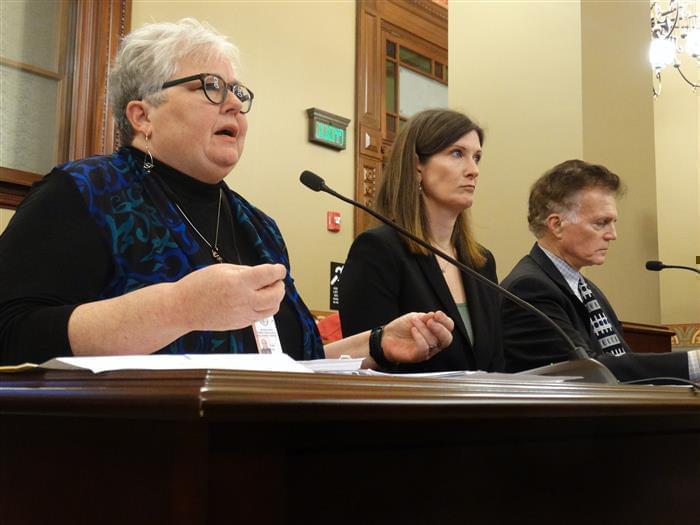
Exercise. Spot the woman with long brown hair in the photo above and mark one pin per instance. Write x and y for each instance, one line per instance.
(427, 188)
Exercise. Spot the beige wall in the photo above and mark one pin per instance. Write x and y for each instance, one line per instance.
(526, 92)
(295, 55)
(570, 79)
(676, 120)
(618, 123)
(5, 216)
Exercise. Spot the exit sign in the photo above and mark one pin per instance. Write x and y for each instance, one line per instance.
(328, 133)
(327, 129)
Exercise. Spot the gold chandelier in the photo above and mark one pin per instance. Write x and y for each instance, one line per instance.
(674, 30)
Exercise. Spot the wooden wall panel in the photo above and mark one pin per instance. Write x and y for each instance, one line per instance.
(368, 73)
(100, 26)
(417, 21)
(366, 187)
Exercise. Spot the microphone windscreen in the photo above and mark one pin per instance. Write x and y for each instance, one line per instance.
(312, 181)
(654, 266)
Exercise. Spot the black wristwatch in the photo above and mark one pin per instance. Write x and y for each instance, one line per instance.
(375, 348)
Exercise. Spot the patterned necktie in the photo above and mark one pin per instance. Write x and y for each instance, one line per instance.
(605, 333)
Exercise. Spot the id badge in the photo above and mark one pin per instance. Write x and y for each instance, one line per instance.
(266, 336)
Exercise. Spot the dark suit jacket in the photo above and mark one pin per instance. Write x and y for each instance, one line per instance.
(529, 342)
(382, 280)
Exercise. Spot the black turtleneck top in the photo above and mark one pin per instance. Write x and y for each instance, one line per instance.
(53, 257)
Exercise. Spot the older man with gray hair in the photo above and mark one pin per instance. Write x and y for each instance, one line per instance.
(572, 213)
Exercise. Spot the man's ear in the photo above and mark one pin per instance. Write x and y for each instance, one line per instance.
(137, 111)
(555, 224)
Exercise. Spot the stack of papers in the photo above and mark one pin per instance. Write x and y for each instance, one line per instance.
(334, 366)
(260, 363)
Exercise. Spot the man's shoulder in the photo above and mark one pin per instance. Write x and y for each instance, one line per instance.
(525, 269)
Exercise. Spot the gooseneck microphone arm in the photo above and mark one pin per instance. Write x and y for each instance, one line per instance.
(316, 183)
(657, 266)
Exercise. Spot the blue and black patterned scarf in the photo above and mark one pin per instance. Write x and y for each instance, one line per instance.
(151, 244)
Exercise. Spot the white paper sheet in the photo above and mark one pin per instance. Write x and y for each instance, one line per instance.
(477, 375)
(256, 362)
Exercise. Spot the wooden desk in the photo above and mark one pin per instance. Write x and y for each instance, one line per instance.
(647, 338)
(255, 448)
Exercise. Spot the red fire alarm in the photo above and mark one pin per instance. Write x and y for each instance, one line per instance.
(333, 221)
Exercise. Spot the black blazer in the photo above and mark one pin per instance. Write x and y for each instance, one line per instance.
(529, 342)
(382, 280)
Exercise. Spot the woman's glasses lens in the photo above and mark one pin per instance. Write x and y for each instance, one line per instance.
(215, 89)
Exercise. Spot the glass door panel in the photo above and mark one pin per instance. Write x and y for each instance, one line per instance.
(419, 92)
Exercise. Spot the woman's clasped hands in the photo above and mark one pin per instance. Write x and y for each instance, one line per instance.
(415, 337)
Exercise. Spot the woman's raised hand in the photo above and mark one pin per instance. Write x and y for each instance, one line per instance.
(228, 297)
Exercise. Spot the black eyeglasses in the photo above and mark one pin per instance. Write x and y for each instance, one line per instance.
(215, 87)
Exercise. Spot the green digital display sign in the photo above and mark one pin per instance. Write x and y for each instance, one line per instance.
(329, 133)
(327, 129)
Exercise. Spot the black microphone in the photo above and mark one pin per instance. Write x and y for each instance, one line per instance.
(657, 266)
(316, 183)
(581, 364)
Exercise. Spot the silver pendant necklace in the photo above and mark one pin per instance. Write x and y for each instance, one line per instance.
(215, 248)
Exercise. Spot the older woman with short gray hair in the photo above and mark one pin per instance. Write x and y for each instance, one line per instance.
(148, 250)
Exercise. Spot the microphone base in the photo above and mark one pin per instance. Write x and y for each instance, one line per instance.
(586, 369)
